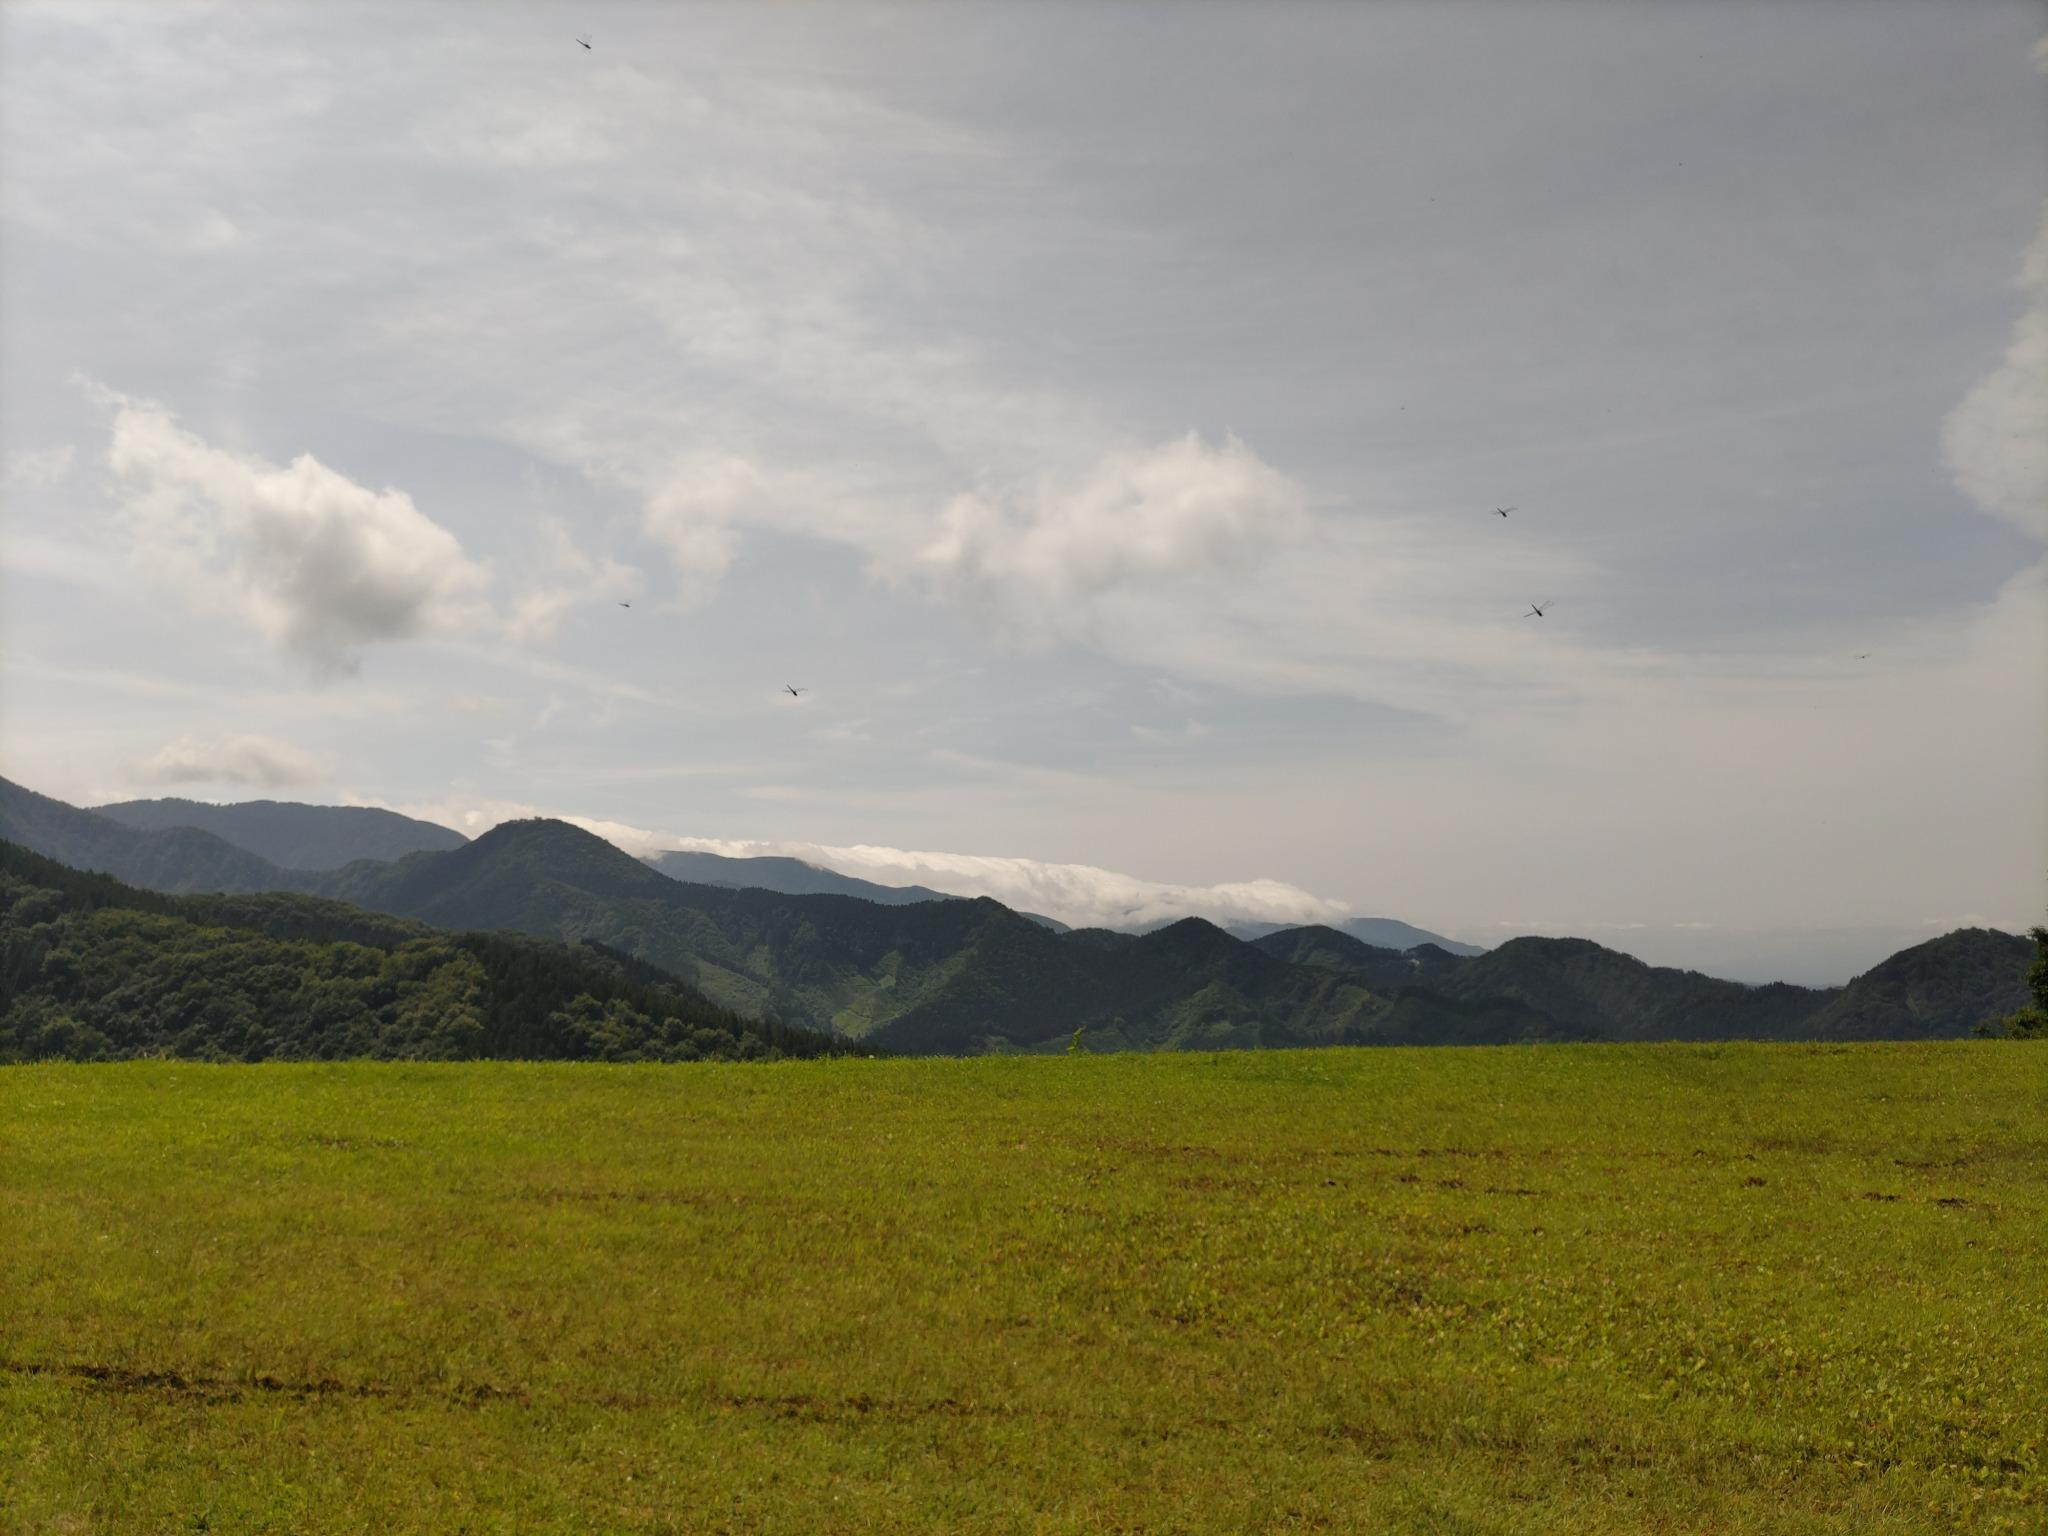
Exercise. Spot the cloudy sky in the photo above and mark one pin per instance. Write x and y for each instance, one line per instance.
(1100, 410)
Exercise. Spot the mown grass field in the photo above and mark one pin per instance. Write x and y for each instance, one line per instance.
(1664, 1288)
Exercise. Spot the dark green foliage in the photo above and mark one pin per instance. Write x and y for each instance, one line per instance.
(92, 969)
(1422, 1017)
(1934, 991)
(2030, 1022)
(293, 836)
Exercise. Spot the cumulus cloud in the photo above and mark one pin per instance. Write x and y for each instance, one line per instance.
(1996, 440)
(1181, 509)
(253, 760)
(321, 565)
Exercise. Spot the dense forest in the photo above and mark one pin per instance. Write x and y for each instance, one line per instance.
(93, 969)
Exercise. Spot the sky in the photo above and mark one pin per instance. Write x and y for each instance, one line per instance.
(1098, 411)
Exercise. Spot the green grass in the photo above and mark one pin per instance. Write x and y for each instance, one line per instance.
(1662, 1288)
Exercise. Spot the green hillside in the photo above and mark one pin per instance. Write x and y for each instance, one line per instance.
(92, 969)
(1938, 990)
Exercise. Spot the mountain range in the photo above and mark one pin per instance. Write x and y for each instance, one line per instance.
(956, 975)
(1380, 932)
(290, 835)
(794, 877)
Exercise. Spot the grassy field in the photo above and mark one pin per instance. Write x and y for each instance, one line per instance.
(1663, 1288)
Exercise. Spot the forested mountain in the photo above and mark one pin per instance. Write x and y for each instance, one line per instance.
(1379, 932)
(175, 859)
(953, 975)
(290, 835)
(1386, 969)
(1184, 987)
(1945, 987)
(94, 969)
(1620, 998)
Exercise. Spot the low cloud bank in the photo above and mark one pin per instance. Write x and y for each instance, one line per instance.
(252, 760)
(1080, 894)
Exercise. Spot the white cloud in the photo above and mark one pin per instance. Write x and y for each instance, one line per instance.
(582, 580)
(254, 760)
(321, 565)
(213, 232)
(1141, 519)
(39, 466)
(1996, 440)
(1080, 894)
(694, 511)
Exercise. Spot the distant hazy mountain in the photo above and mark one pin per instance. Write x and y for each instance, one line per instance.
(1388, 969)
(794, 877)
(1380, 932)
(174, 859)
(291, 835)
(1620, 998)
(1939, 989)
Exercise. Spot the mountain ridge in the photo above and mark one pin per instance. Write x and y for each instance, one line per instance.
(94, 969)
(289, 833)
(969, 974)
(1380, 932)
